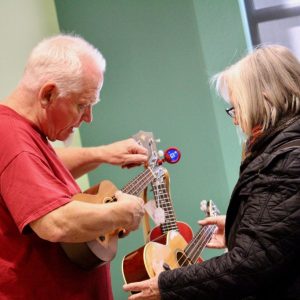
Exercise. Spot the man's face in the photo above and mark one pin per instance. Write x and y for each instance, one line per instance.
(66, 113)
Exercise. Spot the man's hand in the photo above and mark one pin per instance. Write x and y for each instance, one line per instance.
(81, 160)
(218, 239)
(127, 153)
(131, 211)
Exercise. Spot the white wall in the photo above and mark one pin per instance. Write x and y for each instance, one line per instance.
(22, 25)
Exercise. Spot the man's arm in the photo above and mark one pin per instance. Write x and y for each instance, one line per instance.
(79, 221)
(125, 153)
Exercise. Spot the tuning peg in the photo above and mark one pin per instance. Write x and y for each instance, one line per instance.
(160, 154)
(203, 205)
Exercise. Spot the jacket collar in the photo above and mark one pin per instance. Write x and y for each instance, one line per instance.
(286, 130)
(263, 152)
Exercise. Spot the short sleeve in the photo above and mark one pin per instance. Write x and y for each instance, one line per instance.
(30, 189)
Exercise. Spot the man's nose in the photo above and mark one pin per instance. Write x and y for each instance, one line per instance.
(88, 114)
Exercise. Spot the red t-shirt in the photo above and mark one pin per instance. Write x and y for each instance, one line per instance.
(33, 182)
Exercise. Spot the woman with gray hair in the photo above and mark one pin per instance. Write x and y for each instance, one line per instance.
(262, 227)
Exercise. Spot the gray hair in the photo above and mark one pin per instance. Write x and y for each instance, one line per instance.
(265, 85)
(59, 59)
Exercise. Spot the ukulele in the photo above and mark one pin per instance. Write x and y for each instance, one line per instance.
(170, 250)
(98, 252)
(161, 192)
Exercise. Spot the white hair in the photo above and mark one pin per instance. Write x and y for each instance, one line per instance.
(59, 59)
(265, 85)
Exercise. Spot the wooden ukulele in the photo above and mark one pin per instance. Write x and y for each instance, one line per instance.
(161, 191)
(169, 250)
(103, 249)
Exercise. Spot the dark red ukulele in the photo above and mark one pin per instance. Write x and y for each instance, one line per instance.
(133, 264)
(170, 251)
(161, 189)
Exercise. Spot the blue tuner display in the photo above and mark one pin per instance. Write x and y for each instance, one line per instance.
(172, 155)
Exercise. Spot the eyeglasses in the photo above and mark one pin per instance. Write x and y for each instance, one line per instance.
(230, 112)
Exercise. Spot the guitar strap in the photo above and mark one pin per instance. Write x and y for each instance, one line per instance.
(146, 221)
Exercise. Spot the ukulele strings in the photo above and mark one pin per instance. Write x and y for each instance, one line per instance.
(195, 247)
(163, 200)
(139, 183)
(198, 248)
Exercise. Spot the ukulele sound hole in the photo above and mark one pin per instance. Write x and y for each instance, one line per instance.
(182, 259)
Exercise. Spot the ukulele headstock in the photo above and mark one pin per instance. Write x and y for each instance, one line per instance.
(209, 208)
(147, 140)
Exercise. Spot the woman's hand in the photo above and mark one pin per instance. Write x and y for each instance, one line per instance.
(218, 239)
(148, 289)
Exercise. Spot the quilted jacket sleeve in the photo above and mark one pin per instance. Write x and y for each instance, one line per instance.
(264, 241)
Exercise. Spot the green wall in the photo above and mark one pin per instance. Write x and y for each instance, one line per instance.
(222, 40)
(160, 55)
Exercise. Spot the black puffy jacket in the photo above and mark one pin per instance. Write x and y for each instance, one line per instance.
(262, 232)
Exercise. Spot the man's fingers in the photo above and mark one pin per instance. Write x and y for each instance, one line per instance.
(118, 194)
(135, 159)
(141, 150)
(130, 166)
(136, 147)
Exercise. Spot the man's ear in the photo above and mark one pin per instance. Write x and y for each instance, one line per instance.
(47, 94)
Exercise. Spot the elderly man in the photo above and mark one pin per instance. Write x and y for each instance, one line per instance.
(61, 84)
